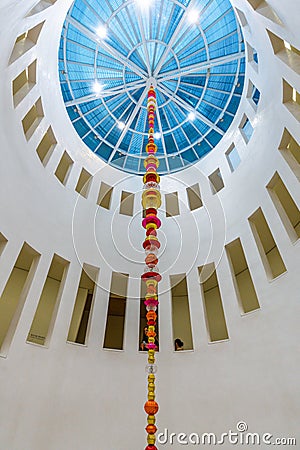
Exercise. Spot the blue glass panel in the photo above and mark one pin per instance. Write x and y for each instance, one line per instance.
(118, 159)
(66, 92)
(81, 127)
(136, 47)
(132, 164)
(162, 166)
(213, 138)
(126, 142)
(233, 105)
(73, 112)
(175, 162)
(104, 151)
(170, 144)
(202, 149)
(225, 122)
(91, 141)
(189, 157)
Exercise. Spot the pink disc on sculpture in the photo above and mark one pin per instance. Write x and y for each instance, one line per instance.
(151, 219)
(151, 302)
(151, 346)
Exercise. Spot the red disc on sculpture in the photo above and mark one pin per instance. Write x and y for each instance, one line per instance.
(151, 176)
(148, 275)
(151, 447)
(151, 211)
(151, 322)
(151, 232)
(151, 92)
(148, 243)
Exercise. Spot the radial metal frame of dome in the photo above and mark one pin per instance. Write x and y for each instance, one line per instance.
(191, 50)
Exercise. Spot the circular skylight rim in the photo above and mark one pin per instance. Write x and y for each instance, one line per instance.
(198, 93)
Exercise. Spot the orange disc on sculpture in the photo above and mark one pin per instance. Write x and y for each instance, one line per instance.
(151, 260)
(151, 334)
(151, 289)
(151, 407)
(151, 429)
(151, 315)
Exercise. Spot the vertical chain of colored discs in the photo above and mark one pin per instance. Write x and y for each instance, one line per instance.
(151, 201)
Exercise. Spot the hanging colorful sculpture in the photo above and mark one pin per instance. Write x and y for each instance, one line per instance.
(151, 201)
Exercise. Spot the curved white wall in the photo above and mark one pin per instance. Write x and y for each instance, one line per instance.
(68, 396)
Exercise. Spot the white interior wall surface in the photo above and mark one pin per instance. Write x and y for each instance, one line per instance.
(64, 396)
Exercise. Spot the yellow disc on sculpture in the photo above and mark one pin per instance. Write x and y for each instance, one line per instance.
(151, 159)
(150, 295)
(151, 419)
(151, 439)
(151, 225)
(152, 147)
(151, 198)
(151, 282)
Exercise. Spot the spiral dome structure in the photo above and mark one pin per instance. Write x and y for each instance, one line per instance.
(73, 109)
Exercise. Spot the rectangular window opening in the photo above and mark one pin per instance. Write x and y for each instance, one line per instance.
(253, 94)
(80, 322)
(23, 83)
(233, 158)
(241, 17)
(262, 7)
(143, 321)
(3, 242)
(25, 42)
(194, 197)
(172, 205)
(242, 279)
(246, 129)
(32, 119)
(252, 56)
(84, 183)
(291, 99)
(269, 253)
(213, 307)
(286, 207)
(290, 150)
(41, 6)
(46, 146)
(64, 168)
(127, 203)
(115, 320)
(14, 294)
(45, 315)
(181, 319)
(216, 181)
(104, 197)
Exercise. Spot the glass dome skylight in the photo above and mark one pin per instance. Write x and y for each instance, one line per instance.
(110, 52)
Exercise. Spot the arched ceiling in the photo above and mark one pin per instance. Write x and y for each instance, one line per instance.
(192, 51)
